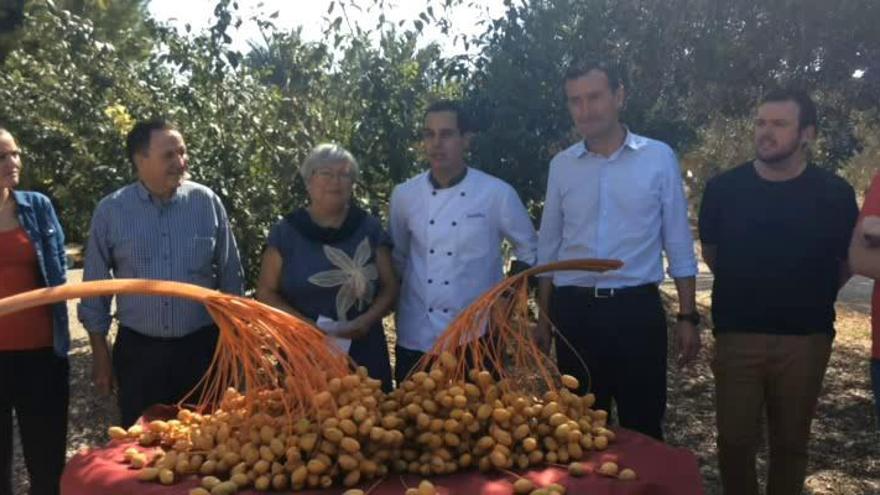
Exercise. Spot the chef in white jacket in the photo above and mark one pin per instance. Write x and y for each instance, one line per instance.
(447, 225)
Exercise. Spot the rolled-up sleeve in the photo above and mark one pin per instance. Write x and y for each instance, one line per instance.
(94, 312)
(550, 230)
(227, 258)
(517, 227)
(678, 243)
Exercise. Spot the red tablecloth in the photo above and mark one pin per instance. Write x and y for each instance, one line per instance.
(662, 470)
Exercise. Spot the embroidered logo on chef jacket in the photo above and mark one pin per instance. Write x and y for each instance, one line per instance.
(474, 236)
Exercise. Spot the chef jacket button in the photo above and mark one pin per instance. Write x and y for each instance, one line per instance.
(448, 253)
(430, 281)
(431, 251)
(433, 193)
(431, 222)
(446, 282)
(454, 224)
(445, 310)
(462, 193)
(430, 310)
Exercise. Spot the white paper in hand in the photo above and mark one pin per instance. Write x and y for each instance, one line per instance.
(332, 328)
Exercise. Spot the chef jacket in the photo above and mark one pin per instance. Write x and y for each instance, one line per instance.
(447, 248)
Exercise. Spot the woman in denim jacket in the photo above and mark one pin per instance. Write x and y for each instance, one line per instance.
(34, 372)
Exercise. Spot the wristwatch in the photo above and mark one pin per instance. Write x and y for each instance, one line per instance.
(692, 317)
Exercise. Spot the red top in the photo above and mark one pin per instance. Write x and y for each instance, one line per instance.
(872, 207)
(31, 328)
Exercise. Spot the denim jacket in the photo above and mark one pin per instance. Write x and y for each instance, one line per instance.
(37, 217)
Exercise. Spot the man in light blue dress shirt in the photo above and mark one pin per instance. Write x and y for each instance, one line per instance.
(165, 227)
(616, 195)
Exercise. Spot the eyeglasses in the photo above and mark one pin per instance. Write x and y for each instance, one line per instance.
(329, 175)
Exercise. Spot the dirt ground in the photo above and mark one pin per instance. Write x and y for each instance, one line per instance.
(845, 445)
(844, 454)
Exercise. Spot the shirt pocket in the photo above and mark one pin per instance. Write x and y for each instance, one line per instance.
(131, 259)
(475, 235)
(201, 257)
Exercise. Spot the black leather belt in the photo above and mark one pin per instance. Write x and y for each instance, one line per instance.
(606, 293)
(198, 331)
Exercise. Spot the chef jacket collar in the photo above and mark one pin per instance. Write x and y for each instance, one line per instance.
(452, 183)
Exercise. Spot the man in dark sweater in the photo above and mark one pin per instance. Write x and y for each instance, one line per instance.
(775, 233)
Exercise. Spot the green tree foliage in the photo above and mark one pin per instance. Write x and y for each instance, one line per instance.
(57, 87)
(389, 88)
(124, 23)
(691, 67)
(369, 98)
(71, 97)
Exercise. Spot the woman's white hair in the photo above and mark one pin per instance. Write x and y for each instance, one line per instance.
(327, 154)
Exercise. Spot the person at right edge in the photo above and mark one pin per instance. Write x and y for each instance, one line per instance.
(864, 259)
(775, 233)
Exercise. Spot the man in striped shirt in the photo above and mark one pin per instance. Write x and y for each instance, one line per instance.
(166, 227)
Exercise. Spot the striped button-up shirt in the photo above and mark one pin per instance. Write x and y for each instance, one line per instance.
(629, 206)
(186, 239)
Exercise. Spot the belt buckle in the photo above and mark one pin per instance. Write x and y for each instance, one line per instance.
(602, 293)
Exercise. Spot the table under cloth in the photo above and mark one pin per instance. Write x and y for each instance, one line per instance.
(661, 468)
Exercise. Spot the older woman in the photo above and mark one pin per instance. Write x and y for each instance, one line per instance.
(331, 262)
(34, 372)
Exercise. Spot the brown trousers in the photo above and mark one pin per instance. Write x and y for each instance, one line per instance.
(777, 375)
